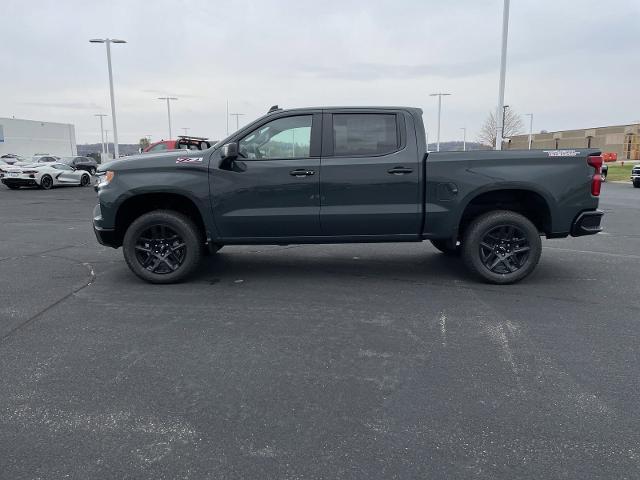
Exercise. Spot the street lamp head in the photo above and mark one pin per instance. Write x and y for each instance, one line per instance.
(167, 98)
(439, 94)
(105, 40)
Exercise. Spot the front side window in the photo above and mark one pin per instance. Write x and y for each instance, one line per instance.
(364, 134)
(288, 137)
(62, 167)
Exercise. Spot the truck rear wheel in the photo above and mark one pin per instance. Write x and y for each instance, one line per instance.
(501, 247)
(162, 246)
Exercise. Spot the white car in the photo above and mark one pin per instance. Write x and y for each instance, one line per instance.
(38, 159)
(43, 175)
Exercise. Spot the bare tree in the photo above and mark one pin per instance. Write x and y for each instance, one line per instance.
(512, 126)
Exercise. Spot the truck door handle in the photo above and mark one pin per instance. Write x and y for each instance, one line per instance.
(301, 172)
(399, 171)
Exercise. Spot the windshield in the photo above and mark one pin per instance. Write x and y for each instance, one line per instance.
(67, 160)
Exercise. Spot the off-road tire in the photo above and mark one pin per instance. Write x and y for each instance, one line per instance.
(479, 235)
(182, 226)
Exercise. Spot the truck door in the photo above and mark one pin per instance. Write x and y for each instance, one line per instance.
(369, 174)
(272, 189)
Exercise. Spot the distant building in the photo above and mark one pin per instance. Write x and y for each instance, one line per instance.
(621, 139)
(30, 137)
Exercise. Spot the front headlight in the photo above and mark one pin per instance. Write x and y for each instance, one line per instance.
(105, 179)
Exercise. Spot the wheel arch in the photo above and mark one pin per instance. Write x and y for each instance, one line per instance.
(534, 204)
(138, 204)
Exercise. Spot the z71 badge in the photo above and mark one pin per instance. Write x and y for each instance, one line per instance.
(189, 160)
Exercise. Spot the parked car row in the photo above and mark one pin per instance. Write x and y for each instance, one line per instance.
(46, 171)
(635, 175)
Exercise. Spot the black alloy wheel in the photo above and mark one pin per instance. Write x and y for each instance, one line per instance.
(501, 246)
(85, 180)
(160, 250)
(163, 246)
(504, 249)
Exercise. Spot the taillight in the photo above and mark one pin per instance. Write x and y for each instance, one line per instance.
(596, 180)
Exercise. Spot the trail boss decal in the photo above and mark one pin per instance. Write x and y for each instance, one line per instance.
(189, 160)
(562, 153)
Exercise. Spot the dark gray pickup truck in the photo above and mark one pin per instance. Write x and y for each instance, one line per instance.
(339, 175)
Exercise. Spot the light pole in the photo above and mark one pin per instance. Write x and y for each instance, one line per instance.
(237, 115)
(464, 138)
(439, 95)
(168, 99)
(108, 42)
(101, 115)
(227, 117)
(530, 115)
(503, 69)
(186, 131)
(504, 112)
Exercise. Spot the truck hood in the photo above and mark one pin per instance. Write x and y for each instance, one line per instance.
(154, 160)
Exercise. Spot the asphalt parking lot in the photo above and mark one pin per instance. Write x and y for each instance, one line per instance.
(344, 361)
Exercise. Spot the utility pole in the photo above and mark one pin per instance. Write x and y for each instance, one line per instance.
(106, 139)
(464, 139)
(168, 99)
(237, 115)
(439, 95)
(227, 117)
(530, 115)
(101, 115)
(503, 70)
(108, 42)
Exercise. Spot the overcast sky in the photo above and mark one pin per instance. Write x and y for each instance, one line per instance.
(573, 63)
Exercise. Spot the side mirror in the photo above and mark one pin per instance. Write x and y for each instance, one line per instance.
(230, 151)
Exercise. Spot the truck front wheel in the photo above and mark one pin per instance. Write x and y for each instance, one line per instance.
(162, 246)
(501, 247)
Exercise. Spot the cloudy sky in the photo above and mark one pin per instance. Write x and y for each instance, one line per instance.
(573, 63)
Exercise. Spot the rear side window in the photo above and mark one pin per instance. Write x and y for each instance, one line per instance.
(364, 134)
(159, 147)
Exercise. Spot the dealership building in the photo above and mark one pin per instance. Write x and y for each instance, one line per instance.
(624, 140)
(30, 137)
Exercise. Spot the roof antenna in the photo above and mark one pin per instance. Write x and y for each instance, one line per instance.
(274, 108)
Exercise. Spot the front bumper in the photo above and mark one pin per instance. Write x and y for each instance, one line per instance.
(587, 223)
(105, 236)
